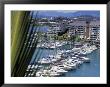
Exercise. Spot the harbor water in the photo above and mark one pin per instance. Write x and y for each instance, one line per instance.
(91, 69)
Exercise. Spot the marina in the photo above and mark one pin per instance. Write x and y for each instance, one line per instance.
(64, 62)
(61, 46)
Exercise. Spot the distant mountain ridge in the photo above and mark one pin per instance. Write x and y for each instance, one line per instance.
(69, 14)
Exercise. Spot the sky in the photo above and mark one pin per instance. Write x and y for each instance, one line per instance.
(59, 11)
(67, 13)
(63, 11)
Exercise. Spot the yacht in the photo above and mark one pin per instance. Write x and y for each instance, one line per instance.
(53, 73)
(58, 69)
(38, 74)
(67, 67)
(44, 61)
(71, 64)
(85, 59)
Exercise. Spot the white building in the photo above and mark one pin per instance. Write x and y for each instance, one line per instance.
(77, 28)
(95, 30)
(90, 30)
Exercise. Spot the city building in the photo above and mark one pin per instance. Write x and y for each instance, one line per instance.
(56, 28)
(95, 30)
(77, 28)
(88, 30)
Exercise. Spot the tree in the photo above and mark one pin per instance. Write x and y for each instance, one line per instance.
(77, 39)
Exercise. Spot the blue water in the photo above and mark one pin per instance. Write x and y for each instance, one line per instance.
(40, 53)
(40, 28)
(91, 69)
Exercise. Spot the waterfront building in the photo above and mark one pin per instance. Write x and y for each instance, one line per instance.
(86, 27)
(95, 30)
(54, 28)
(77, 28)
(88, 30)
(71, 31)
